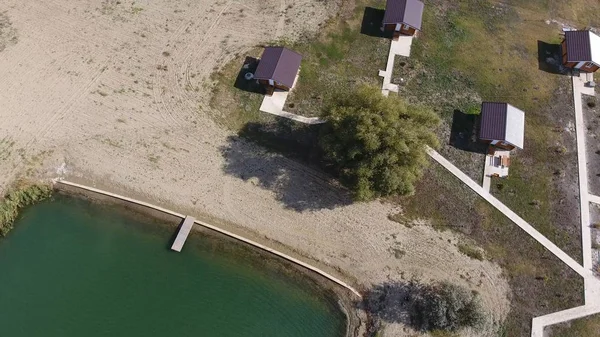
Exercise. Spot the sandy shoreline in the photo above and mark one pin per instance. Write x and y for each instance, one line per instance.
(346, 300)
(117, 97)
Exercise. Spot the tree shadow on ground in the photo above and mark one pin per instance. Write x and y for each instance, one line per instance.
(389, 302)
(463, 134)
(371, 23)
(550, 58)
(291, 171)
(249, 66)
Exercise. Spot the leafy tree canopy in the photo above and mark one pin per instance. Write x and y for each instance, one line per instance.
(377, 143)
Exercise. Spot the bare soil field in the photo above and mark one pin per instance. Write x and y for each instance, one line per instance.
(116, 95)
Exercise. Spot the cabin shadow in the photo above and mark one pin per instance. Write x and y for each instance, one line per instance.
(463, 133)
(549, 58)
(249, 85)
(299, 186)
(372, 21)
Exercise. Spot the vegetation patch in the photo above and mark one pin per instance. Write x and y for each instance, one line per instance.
(8, 34)
(471, 251)
(442, 309)
(21, 195)
(377, 143)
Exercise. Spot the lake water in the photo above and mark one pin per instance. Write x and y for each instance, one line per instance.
(73, 268)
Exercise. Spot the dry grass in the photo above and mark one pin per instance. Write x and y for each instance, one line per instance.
(589, 326)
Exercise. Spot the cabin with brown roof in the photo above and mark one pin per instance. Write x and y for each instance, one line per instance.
(277, 69)
(502, 125)
(581, 50)
(403, 17)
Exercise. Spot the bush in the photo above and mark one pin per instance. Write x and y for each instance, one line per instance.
(377, 144)
(22, 195)
(446, 307)
(473, 109)
(470, 251)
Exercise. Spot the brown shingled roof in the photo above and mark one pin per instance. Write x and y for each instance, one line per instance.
(493, 121)
(278, 64)
(409, 12)
(579, 48)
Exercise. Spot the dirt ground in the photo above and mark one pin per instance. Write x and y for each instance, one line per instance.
(116, 95)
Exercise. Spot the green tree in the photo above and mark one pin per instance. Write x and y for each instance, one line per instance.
(377, 143)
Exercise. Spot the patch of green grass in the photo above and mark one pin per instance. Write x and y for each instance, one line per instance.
(21, 195)
(234, 108)
(339, 59)
(471, 251)
(153, 158)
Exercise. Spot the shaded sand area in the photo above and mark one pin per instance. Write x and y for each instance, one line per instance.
(116, 95)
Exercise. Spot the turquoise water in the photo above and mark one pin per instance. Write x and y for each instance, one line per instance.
(72, 268)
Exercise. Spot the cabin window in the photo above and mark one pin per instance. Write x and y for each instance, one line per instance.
(406, 27)
(271, 82)
(589, 65)
(398, 27)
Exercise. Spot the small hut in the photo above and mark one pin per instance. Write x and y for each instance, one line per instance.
(403, 17)
(278, 68)
(502, 125)
(581, 50)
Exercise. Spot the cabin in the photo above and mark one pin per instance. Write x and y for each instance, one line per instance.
(277, 69)
(402, 17)
(502, 125)
(581, 50)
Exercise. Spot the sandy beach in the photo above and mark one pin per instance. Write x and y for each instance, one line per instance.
(116, 96)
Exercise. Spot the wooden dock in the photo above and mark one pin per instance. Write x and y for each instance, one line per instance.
(184, 231)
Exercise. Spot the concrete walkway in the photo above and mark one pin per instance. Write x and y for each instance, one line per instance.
(274, 105)
(594, 198)
(510, 214)
(539, 323)
(586, 235)
(591, 282)
(397, 47)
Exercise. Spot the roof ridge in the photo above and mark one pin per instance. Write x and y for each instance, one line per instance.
(278, 59)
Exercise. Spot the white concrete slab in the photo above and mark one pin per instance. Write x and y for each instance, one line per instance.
(397, 47)
(401, 46)
(493, 167)
(184, 231)
(274, 105)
